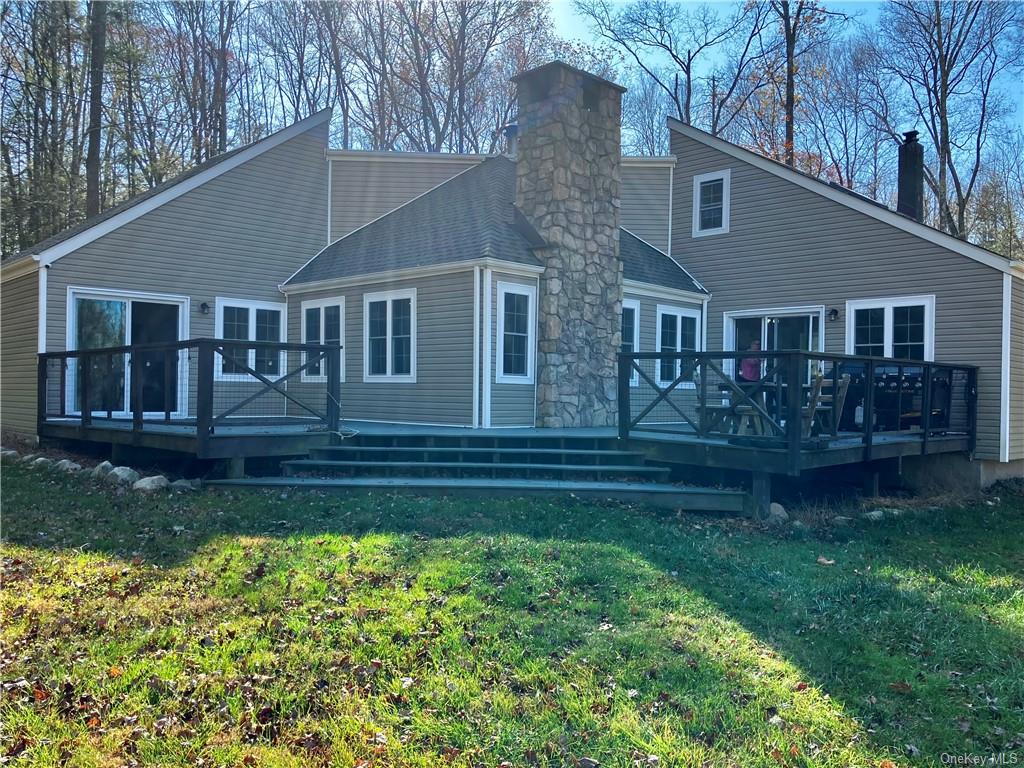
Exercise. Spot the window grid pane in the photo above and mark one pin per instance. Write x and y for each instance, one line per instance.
(235, 326)
(378, 335)
(628, 328)
(401, 337)
(268, 328)
(313, 337)
(711, 204)
(869, 332)
(515, 343)
(908, 332)
(669, 343)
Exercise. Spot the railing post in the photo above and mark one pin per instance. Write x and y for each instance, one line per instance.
(972, 409)
(625, 407)
(869, 408)
(41, 372)
(333, 387)
(700, 370)
(85, 382)
(135, 396)
(171, 358)
(204, 396)
(926, 408)
(794, 410)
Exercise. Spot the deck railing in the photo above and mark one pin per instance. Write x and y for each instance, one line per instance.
(200, 383)
(837, 398)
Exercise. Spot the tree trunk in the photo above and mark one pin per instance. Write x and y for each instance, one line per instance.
(98, 43)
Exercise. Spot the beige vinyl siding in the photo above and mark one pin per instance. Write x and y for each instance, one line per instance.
(19, 318)
(512, 405)
(443, 391)
(644, 203)
(364, 190)
(788, 246)
(1017, 368)
(239, 236)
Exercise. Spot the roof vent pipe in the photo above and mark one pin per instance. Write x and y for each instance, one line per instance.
(511, 133)
(910, 184)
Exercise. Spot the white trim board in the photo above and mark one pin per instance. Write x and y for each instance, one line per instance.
(476, 347)
(394, 275)
(176, 190)
(850, 201)
(19, 268)
(651, 291)
(1004, 377)
(488, 341)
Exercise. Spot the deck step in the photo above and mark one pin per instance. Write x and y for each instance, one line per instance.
(655, 494)
(459, 467)
(501, 451)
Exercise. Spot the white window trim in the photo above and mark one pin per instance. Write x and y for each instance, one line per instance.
(726, 177)
(389, 297)
(634, 304)
(334, 301)
(888, 304)
(184, 304)
(669, 309)
(530, 291)
(218, 363)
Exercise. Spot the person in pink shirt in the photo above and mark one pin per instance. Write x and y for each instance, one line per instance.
(750, 367)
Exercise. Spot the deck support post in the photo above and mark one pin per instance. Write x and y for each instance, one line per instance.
(761, 493)
(234, 467)
(872, 486)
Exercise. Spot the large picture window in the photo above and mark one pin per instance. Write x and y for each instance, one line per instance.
(389, 336)
(902, 328)
(678, 331)
(517, 321)
(323, 322)
(243, 320)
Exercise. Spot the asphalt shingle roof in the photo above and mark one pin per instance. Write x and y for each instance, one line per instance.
(470, 216)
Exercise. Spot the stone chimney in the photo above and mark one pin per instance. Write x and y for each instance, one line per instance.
(910, 177)
(567, 186)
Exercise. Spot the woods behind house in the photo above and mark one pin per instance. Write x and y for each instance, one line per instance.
(104, 100)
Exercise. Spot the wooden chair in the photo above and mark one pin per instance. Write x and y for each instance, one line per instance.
(829, 416)
(811, 409)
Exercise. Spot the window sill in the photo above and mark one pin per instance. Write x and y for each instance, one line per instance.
(502, 379)
(386, 379)
(710, 232)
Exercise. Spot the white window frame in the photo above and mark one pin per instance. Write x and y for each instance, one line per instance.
(321, 304)
(218, 363)
(520, 289)
(679, 312)
(725, 176)
(389, 297)
(634, 304)
(888, 304)
(184, 304)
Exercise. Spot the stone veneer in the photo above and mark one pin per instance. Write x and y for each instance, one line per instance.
(567, 186)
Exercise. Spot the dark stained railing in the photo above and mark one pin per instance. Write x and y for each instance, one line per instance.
(836, 399)
(198, 383)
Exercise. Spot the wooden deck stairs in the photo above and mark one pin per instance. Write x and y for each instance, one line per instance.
(489, 465)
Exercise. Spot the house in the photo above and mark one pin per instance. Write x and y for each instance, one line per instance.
(489, 292)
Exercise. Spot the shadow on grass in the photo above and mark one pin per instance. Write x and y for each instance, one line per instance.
(915, 631)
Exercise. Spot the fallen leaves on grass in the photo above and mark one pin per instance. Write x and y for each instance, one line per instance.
(900, 686)
(822, 560)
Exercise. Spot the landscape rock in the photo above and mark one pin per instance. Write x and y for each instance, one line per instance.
(102, 469)
(841, 521)
(185, 485)
(776, 514)
(42, 461)
(151, 484)
(6, 453)
(875, 515)
(67, 465)
(122, 476)
(28, 458)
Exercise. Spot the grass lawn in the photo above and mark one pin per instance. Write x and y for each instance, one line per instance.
(301, 629)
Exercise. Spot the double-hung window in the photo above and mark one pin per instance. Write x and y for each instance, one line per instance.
(711, 198)
(389, 336)
(517, 322)
(902, 328)
(631, 333)
(678, 331)
(248, 321)
(323, 322)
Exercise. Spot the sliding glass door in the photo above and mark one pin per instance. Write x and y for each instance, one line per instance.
(102, 319)
(797, 329)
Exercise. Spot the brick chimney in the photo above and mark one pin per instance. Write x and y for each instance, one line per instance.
(567, 186)
(910, 177)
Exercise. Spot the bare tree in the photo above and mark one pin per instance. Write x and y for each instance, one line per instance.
(949, 58)
(97, 57)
